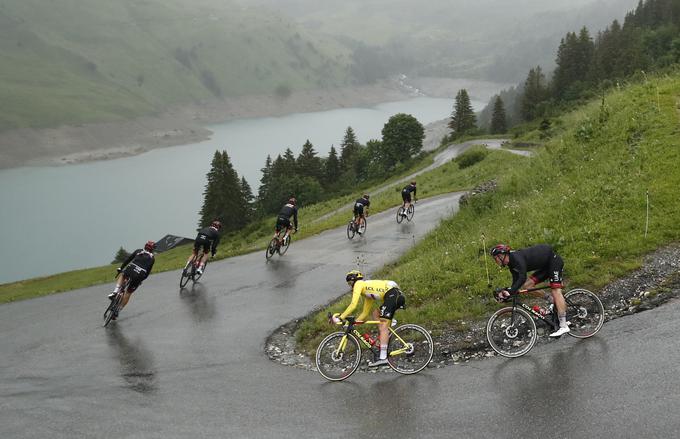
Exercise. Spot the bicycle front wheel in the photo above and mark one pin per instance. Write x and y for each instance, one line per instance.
(271, 248)
(338, 356)
(410, 349)
(511, 332)
(350, 230)
(400, 216)
(585, 313)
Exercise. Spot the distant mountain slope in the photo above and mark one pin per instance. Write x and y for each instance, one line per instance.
(65, 61)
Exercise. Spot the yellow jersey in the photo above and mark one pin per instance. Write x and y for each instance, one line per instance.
(371, 290)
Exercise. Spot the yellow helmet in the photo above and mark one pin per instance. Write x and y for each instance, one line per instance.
(354, 276)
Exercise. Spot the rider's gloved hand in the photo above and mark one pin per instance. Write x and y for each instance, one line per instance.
(336, 319)
(503, 295)
(212, 254)
(296, 230)
(118, 270)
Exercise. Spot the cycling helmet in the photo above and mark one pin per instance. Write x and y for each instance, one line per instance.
(292, 200)
(150, 246)
(354, 276)
(499, 249)
(366, 196)
(216, 224)
(413, 182)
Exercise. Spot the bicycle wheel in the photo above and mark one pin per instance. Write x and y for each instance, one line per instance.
(184, 279)
(271, 248)
(511, 332)
(409, 349)
(338, 356)
(400, 217)
(112, 308)
(585, 313)
(284, 247)
(410, 211)
(350, 229)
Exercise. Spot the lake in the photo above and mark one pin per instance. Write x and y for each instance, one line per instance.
(56, 219)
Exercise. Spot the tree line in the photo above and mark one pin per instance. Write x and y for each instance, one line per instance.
(648, 39)
(308, 176)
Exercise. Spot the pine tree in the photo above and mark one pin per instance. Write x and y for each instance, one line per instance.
(331, 168)
(265, 181)
(222, 198)
(349, 150)
(499, 124)
(535, 94)
(121, 255)
(463, 117)
(308, 164)
(249, 199)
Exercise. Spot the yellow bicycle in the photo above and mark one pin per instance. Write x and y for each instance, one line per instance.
(409, 350)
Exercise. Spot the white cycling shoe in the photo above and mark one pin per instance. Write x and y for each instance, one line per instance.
(561, 331)
(378, 363)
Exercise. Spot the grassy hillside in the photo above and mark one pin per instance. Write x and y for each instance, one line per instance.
(255, 237)
(585, 193)
(75, 62)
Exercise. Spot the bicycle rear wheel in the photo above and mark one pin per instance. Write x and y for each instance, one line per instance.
(409, 349)
(585, 313)
(410, 212)
(362, 227)
(400, 216)
(511, 332)
(271, 248)
(195, 274)
(350, 229)
(338, 356)
(284, 247)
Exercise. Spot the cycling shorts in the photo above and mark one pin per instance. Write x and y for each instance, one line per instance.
(282, 223)
(136, 276)
(358, 209)
(552, 273)
(392, 301)
(406, 196)
(202, 242)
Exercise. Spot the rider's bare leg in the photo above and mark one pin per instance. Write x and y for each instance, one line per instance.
(126, 299)
(193, 255)
(384, 334)
(561, 306)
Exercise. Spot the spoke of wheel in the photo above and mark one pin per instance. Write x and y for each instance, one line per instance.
(338, 356)
(585, 313)
(511, 334)
(410, 349)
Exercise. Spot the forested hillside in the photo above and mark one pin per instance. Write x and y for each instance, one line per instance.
(66, 61)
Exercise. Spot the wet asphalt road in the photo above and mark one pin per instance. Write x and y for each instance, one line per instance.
(193, 364)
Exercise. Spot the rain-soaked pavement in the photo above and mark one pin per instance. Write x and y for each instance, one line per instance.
(192, 364)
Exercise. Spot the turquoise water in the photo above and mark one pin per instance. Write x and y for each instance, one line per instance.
(55, 219)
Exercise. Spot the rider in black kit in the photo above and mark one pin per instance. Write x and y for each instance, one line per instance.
(283, 220)
(136, 267)
(546, 265)
(361, 210)
(207, 239)
(406, 195)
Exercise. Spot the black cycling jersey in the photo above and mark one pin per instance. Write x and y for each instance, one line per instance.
(208, 238)
(540, 258)
(289, 210)
(410, 188)
(141, 260)
(363, 201)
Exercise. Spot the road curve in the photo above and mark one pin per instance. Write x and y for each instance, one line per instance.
(193, 364)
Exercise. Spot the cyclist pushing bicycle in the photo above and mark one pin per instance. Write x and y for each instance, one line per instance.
(136, 268)
(206, 240)
(387, 292)
(546, 265)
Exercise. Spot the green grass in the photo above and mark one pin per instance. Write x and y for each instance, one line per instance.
(584, 193)
(256, 236)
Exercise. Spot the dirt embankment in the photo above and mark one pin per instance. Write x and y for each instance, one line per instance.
(177, 126)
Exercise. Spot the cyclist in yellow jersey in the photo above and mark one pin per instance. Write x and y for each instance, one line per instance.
(385, 291)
